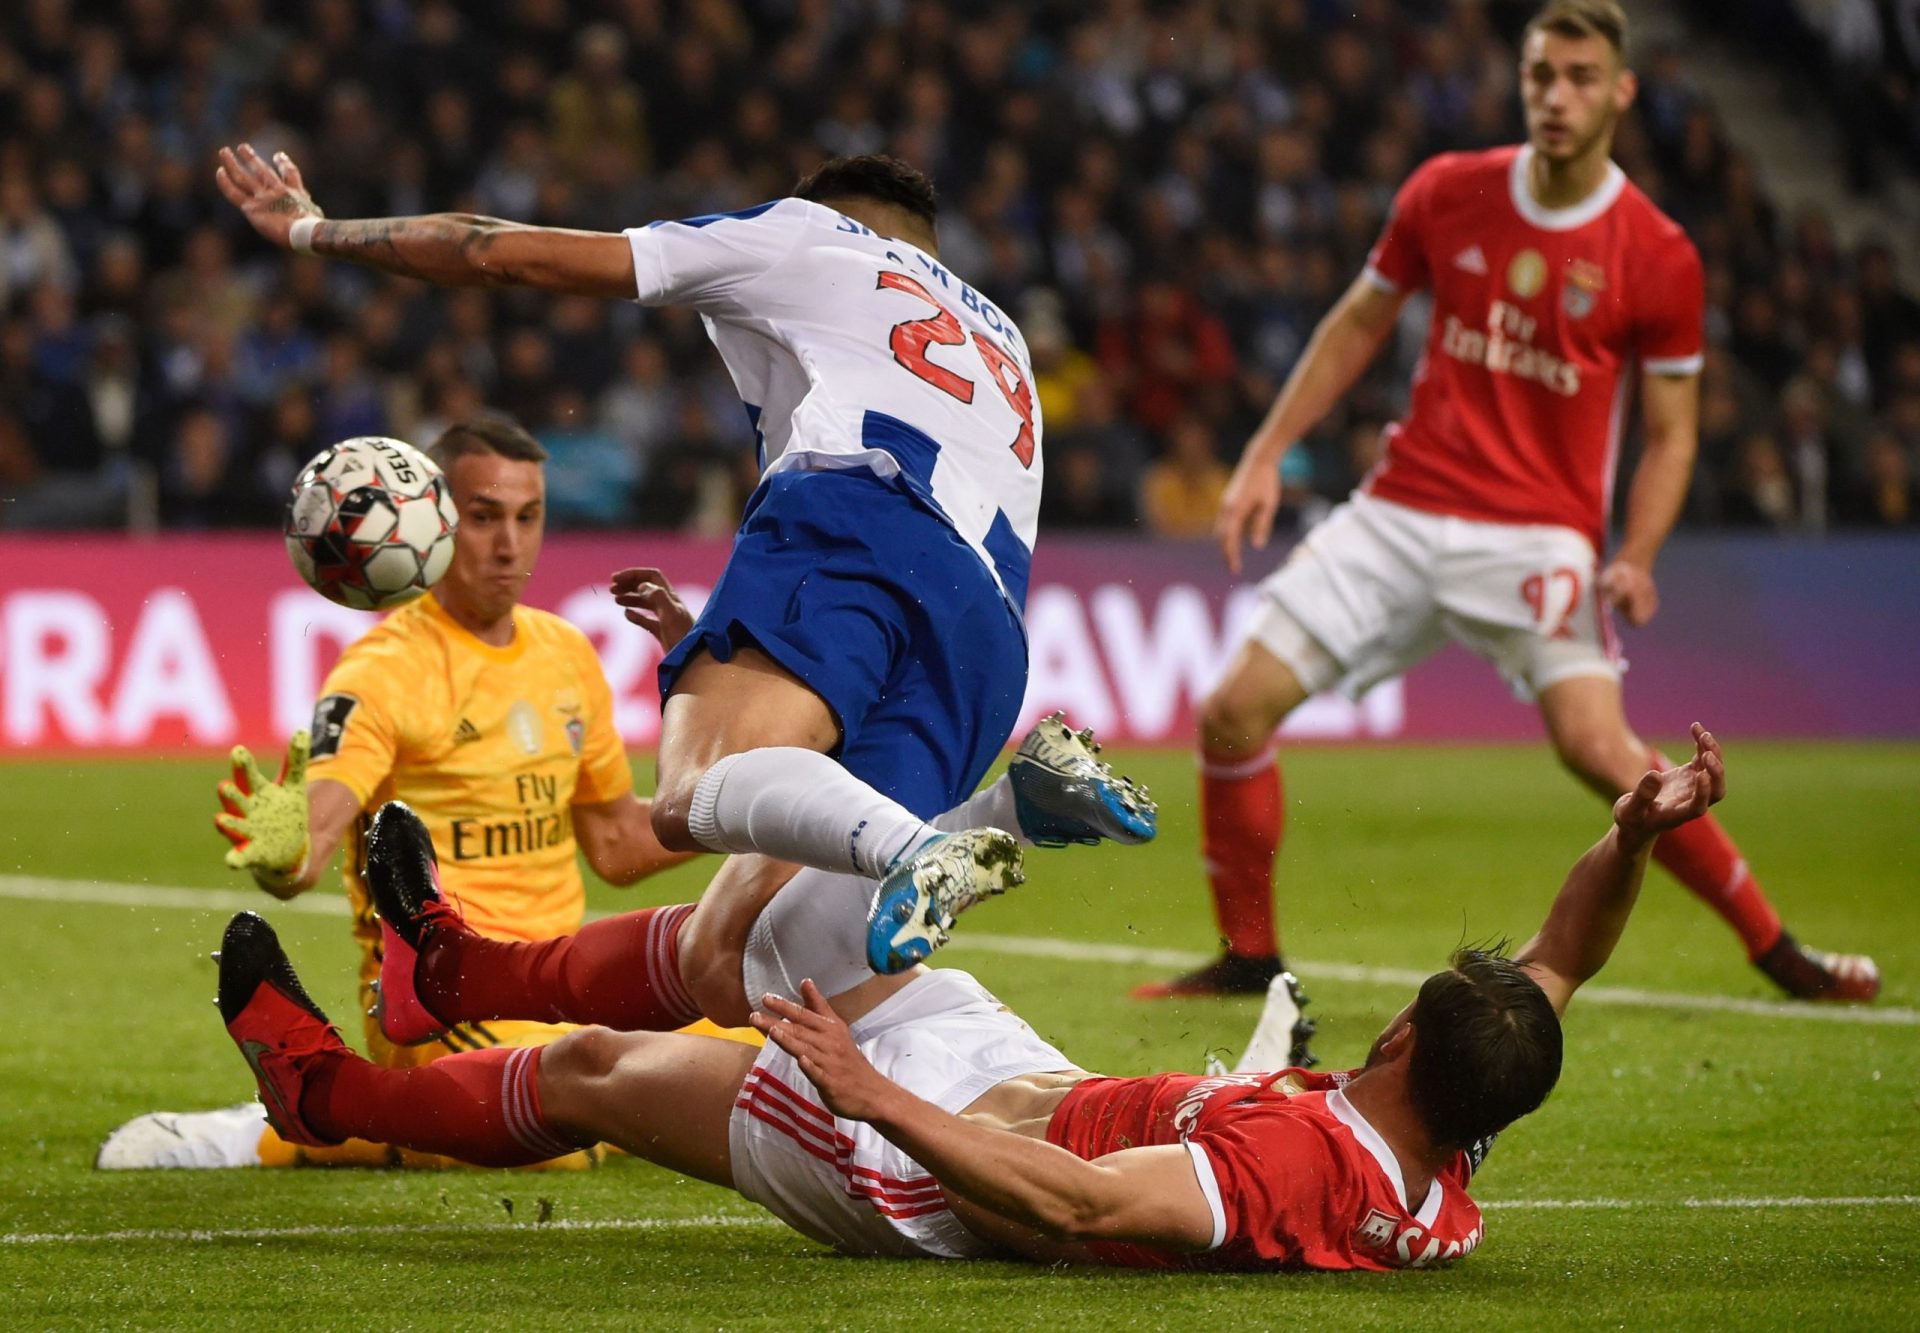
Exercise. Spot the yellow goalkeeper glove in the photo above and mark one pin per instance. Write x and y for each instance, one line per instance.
(266, 819)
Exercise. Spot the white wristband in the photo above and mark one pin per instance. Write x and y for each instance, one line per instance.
(300, 235)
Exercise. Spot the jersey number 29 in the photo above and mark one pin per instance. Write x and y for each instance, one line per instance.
(911, 338)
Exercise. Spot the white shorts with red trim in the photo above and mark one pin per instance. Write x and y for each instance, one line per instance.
(942, 1037)
(1381, 586)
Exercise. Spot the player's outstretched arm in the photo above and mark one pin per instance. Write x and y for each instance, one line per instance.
(618, 840)
(448, 249)
(1342, 345)
(1145, 1196)
(283, 831)
(1591, 910)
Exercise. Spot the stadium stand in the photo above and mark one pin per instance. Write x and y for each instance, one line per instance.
(1168, 195)
(1861, 57)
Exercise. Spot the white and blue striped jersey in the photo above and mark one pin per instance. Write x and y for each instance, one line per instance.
(852, 350)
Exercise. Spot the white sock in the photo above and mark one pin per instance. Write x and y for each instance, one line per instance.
(991, 807)
(815, 928)
(798, 805)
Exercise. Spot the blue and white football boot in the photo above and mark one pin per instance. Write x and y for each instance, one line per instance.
(1065, 793)
(913, 911)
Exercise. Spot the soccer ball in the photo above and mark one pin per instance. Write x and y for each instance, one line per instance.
(370, 523)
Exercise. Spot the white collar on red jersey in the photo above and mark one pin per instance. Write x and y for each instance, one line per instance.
(1369, 1138)
(1573, 215)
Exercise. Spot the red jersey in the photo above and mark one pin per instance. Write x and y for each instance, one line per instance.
(1538, 314)
(1295, 1176)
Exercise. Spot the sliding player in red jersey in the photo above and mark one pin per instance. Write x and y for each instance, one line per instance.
(916, 1116)
(1553, 278)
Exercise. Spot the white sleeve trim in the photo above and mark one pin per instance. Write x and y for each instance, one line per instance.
(648, 283)
(1380, 281)
(1203, 1170)
(1675, 365)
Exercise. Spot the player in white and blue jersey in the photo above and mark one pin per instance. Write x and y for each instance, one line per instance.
(863, 657)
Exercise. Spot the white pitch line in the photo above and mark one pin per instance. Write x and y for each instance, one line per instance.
(1734, 1204)
(108, 893)
(201, 1236)
(1628, 996)
(212, 1235)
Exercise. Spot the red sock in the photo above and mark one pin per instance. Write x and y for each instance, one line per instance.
(482, 1107)
(1241, 817)
(622, 973)
(1701, 856)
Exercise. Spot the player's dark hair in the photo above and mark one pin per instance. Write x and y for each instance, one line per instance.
(486, 433)
(1584, 18)
(1486, 1047)
(872, 176)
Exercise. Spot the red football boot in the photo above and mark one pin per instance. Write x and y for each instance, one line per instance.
(403, 877)
(277, 1027)
(1815, 974)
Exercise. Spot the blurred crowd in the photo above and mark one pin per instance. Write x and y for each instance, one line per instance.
(1167, 195)
(1860, 57)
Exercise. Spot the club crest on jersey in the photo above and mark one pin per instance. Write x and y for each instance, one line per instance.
(1526, 274)
(1585, 281)
(523, 724)
(1375, 1230)
(568, 704)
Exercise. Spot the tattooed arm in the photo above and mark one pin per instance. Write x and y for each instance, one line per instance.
(447, 249)
(463, 250)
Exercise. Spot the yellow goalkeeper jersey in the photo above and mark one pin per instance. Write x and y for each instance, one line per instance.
(490, 746)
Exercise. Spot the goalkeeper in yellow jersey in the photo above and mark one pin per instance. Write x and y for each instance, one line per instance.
(493, 721)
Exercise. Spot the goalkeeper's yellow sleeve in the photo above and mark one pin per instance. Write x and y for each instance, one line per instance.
(266, 819)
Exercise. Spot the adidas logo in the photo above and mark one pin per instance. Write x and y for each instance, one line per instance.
(465, 732)
(1470, 260)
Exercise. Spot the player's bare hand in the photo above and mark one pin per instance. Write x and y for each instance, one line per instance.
(816, 1037)
(651, 603)
(1629, 588)
(271, 194)
(1248, 505)
(1667, 800)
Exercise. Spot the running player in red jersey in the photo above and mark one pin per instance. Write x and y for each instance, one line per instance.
(915, 1115)
(1553, 279)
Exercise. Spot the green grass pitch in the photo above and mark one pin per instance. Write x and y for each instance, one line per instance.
(1696, 1167)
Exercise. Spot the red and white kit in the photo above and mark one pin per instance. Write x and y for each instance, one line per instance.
(1486, 518)
(942, 1037)
(1296, 1176)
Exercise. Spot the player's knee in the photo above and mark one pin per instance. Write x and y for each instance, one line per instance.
(668, 814)
(574, 1069)
(1600, 756)
(1234, 720)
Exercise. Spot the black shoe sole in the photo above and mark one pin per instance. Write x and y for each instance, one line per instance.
(400, 866)
(250, 954)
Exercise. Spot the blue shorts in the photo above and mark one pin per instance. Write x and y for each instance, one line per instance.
(861, 591)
